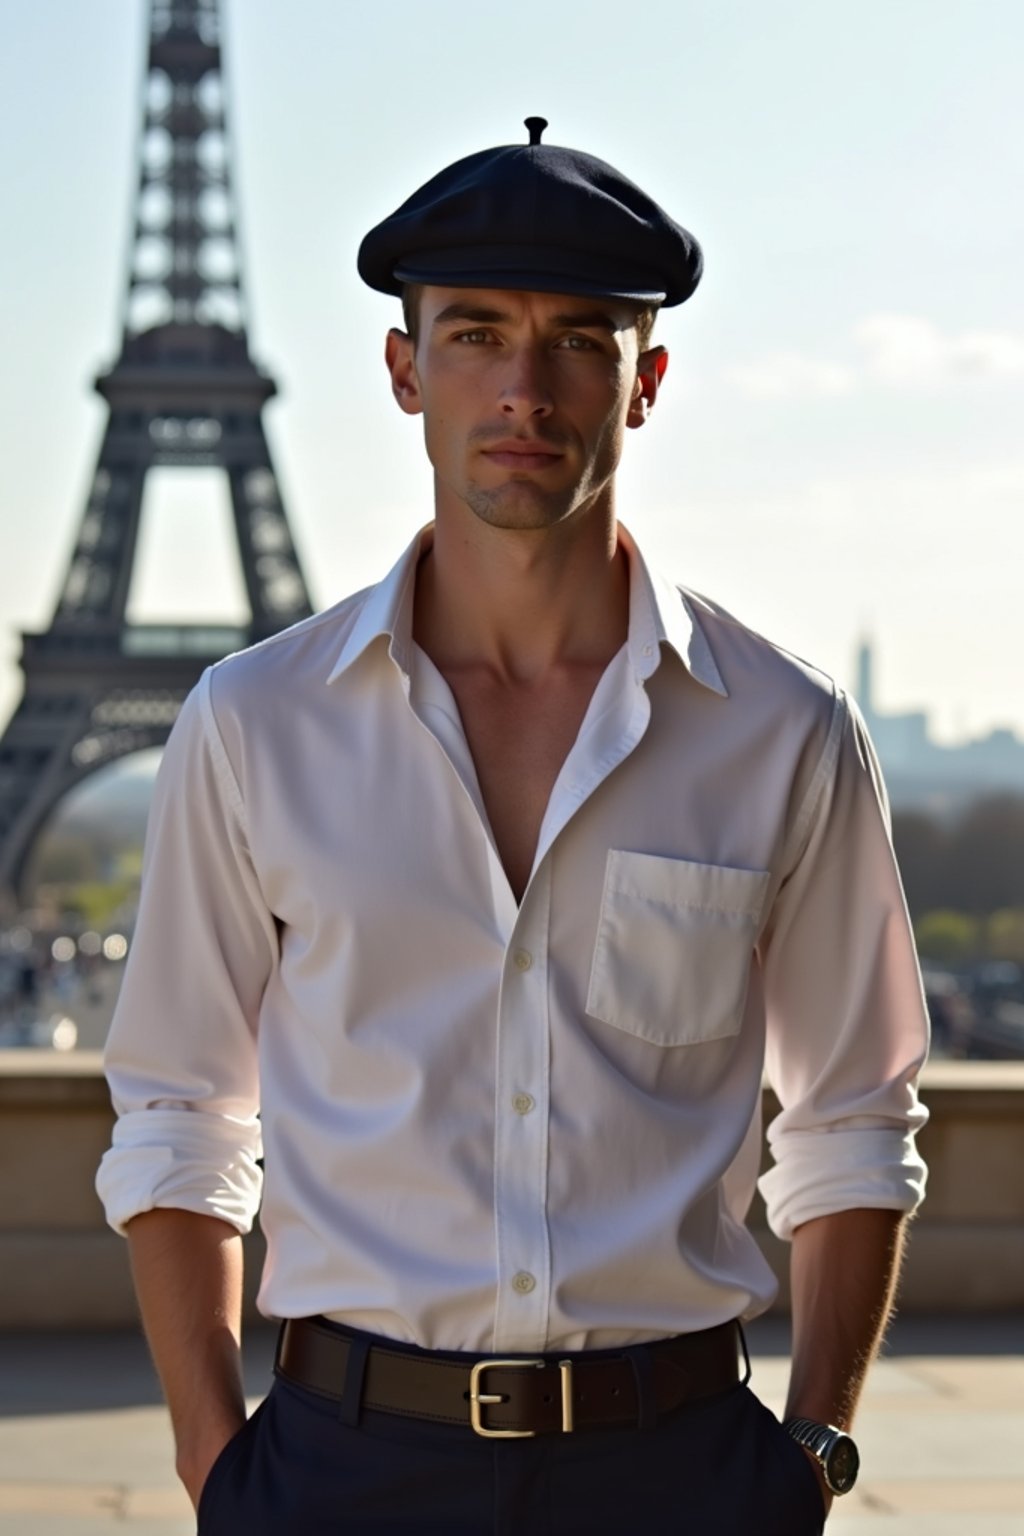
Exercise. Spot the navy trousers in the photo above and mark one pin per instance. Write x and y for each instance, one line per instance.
(720, 1467)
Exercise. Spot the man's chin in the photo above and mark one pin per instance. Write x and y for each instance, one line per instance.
(519, 507)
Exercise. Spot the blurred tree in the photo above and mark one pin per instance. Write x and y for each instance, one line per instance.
(950, 937)
(1004, 935)
(921, 848)
(974, 864)
(987, 855)
(98, 902)
(64, 859)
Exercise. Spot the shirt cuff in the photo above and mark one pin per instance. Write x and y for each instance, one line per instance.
(818, 1173)
(183, 1159)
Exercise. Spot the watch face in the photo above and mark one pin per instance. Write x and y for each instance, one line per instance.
(842, 1464)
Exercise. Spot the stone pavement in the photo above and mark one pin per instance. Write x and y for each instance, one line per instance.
(85, 1446)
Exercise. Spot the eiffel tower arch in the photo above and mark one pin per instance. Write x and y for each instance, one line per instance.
(184, 391)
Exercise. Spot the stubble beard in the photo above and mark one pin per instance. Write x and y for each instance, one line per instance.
(520, 505)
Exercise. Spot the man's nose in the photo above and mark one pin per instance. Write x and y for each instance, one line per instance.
(525, 388)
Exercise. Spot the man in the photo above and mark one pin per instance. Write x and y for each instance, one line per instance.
(494, 888)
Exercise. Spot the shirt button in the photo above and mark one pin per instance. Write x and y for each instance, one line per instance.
(523, 1282)
(522, 1103)
(522, 959)
(648, 650)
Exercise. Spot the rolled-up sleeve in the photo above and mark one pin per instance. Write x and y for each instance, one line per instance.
(181, 1056)
(847, 1027)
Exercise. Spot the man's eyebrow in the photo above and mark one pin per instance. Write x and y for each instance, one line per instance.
(477, 314)
(587, 320)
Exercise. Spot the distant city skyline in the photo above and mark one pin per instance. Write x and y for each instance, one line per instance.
(838, 447)
(922, 771)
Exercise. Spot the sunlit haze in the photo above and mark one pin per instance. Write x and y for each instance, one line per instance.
(837, 450)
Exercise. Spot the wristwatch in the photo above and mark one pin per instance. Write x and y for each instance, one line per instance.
(832, 1448)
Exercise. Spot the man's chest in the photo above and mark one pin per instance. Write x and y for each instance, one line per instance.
(519, 737)
(405, 946)
(448, 802)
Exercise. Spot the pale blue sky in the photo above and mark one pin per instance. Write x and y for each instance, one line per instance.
(839, 441)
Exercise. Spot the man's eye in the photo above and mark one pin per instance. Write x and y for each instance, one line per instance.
(472, 336)
(578, 343)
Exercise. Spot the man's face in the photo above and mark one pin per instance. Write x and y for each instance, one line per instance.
(525, 398)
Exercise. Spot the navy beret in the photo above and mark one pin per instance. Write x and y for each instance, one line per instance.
(534, 216)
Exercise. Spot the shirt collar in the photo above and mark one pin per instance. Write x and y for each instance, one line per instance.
(388, 611)
(659, 613)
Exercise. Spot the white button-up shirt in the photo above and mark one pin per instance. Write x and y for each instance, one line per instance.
(495, 1126)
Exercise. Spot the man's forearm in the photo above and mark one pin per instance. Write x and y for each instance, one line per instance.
(844, 1270)
(188, 1277)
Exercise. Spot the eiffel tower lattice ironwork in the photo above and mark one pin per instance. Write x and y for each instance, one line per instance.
(184, 391)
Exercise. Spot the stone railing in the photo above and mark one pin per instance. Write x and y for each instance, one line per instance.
(60, 1266)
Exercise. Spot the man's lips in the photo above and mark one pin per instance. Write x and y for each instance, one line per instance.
(522, 453)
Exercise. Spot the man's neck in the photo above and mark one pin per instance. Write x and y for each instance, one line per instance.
(521, 603)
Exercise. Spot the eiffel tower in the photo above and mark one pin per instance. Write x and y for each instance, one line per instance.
(184, 391)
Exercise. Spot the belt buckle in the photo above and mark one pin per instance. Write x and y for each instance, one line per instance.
(478, 1399)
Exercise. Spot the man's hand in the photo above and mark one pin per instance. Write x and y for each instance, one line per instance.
(194, 1463)
(188, 1277)
(844, 1270)
(826, 1492)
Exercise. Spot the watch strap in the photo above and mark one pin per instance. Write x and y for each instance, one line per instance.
(819, 1439)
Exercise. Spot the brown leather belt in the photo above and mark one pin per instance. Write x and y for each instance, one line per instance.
(507, 1398)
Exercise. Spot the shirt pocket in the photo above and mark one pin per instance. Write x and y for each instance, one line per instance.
(673, 949)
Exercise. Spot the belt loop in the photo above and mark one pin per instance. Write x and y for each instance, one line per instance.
(746, 1353)
(355, 1371)
(642, 1363)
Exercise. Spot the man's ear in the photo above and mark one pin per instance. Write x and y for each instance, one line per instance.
(650, 370)
(400, 357)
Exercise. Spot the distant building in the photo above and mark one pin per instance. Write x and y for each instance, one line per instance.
(920, 772)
